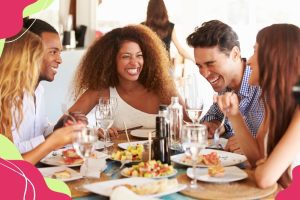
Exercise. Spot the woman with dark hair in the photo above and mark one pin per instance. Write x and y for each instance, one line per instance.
(158, 20)
(275, 68)
(130, 64)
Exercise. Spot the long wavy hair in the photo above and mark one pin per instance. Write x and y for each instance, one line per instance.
(157, 18)
(19, 68)
(279, 66)
(98, 69)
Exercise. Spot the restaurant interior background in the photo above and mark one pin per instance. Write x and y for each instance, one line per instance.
(245, 16)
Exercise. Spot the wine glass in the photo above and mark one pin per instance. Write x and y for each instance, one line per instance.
(84, 145)
(193, 100)
(194, 139)
(105, 112)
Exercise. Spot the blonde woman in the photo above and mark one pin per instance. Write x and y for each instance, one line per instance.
(19, 69)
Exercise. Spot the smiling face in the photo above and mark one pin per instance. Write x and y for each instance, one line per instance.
(219, 69)
(51, 59)
(253, 62)
(130, 61)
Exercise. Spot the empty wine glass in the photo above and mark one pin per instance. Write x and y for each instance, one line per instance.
(84, 145)
(105, 112)
(193, 100)
(194, 139)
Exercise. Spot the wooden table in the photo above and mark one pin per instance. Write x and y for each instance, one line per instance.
(245, 189)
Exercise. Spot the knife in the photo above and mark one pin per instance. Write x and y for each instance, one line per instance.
(130, 129)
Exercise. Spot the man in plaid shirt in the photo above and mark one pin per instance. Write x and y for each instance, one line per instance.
(217, 54)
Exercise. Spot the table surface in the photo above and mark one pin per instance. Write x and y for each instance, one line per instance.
(181, 177)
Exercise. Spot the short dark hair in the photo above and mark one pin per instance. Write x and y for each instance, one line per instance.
(214, 33)
(38, 26)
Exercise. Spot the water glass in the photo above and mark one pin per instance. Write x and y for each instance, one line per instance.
(194, 139)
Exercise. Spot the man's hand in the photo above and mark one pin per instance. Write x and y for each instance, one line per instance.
(233, 146)
(212, 126)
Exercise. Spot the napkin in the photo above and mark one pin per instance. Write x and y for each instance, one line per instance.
(121, 193)
(94, 168)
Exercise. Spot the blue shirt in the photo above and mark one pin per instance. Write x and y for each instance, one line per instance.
(251, 107)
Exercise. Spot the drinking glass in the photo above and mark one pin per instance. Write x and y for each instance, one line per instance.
(105, 112)
(194, 139)
(193, 100)
(84, 145)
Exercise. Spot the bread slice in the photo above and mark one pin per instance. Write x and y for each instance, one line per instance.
(62, 174)
(216, 170)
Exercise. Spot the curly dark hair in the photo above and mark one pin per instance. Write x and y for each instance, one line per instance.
(98, 69)
(214, 33)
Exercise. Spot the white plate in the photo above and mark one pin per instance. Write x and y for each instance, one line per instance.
(227, 158)
(49, 171)
(231, 174)
(142, 133)
(223, 142)
(126, 144)
(100, 144)
(55, 158)
(157, 177)
(105, 188)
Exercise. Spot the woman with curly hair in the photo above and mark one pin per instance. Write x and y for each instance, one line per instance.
(129, 63)
(19, 72)
(275, 68)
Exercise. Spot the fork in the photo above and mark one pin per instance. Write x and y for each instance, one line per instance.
(217, 133)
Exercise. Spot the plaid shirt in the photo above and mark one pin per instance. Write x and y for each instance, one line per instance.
(251, 107)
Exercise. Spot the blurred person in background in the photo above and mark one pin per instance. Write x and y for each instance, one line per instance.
(157, 19)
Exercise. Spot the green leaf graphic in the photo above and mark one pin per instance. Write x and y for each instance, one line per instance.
(36, 7)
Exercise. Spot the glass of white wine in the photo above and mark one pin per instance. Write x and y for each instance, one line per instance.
(194, 139)
(193, 100)
(84, 145)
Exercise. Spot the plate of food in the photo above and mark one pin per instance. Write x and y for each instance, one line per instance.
(62, 173)
(143, 133)
(218, 174)
(149, 169)
(143, 187)
(68, 157)
(131, 154)
(209, 157)
(125, 145)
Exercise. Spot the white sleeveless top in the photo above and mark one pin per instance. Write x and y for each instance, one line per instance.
(131, 116)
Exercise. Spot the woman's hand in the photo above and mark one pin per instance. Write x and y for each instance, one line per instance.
(64, 136)
(228, 103)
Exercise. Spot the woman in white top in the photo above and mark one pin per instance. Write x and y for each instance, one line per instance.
(19, 68)
(275, 67)
(131, 64)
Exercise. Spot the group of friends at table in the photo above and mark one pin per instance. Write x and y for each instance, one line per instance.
(132, 64)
